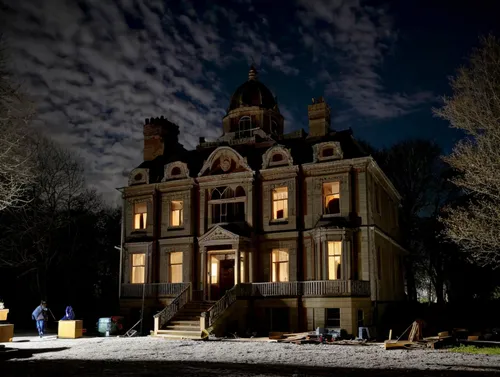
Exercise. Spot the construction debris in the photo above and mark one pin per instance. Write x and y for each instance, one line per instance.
(329, 337)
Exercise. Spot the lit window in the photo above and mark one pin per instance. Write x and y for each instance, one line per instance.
(280, 203)
(242, 270)
(175, 267)
(334, 260)
(140, 215)
(331, 198)
(214, 271)
(138, 268)
(332, 317)
(176, 213)
(280, 266)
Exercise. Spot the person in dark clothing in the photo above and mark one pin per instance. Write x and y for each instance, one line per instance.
(40, 316)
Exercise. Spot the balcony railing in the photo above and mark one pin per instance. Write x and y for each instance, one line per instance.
(317, 288)
(152, 290)
(332, 288)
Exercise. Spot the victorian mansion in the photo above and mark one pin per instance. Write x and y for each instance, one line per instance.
(258, 230)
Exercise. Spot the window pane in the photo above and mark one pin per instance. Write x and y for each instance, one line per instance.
(331, 198)
(279, 265)
(139, 259)
(138, 274)
(176, 273)
(283, 271)
(176, 257)
(332, 317)
(140, 207)
(334, 260)
(280, 203)
(214, 270)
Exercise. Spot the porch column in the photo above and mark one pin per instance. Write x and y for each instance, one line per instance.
(317, 254)
(203, 271)
(237, 263)
(324, 258)
(346, 260)
(250, 254)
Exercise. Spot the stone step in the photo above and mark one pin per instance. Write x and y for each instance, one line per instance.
(182, 328)
(181, 333)
(184, 323)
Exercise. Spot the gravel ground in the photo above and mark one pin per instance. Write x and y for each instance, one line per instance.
(158, 357)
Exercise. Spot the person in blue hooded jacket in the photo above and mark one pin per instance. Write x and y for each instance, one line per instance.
(40, 316)
(69, 314)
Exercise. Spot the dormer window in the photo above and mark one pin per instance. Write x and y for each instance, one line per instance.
(277, 157)
(176, 171)
(244, 127)
(327, 152)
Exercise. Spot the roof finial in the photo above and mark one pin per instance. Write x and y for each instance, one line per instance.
(252, 74)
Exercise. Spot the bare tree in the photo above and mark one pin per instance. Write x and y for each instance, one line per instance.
(15, 163)
(474, 108)
(40, 233)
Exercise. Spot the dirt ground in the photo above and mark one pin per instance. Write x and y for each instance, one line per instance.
(157, 357)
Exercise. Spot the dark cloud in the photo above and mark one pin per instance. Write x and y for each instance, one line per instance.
(98, 68)
(351, 40)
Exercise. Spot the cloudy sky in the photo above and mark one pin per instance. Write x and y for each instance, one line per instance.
(97, 68)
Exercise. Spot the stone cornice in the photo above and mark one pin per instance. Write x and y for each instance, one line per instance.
(176, 241)
(279, 172)
(177, 185)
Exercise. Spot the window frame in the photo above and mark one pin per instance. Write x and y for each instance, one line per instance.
(223, 202)
(331, 257)
(275, 266)
(324, 198)
(275, 201)
(140, 216)
(133, 266)
(170, 265)
(246, 130)
(181, 213)
(330, 317)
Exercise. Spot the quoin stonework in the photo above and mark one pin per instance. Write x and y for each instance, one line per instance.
(259, 230)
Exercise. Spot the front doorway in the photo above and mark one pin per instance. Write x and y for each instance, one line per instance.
(222, 274)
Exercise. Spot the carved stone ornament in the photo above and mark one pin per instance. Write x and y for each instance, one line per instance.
(139, 176)
(225, 163)
(284, 158)
(175, 170)
(223, 153)
(327, 151)
(218, 233)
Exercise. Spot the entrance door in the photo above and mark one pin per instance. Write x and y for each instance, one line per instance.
(226, 275)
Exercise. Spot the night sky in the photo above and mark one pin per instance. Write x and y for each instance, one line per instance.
(96, 69)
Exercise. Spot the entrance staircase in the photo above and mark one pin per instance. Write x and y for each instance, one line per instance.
(186, 322)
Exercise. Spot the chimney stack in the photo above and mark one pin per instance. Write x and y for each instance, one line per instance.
(319, 117)
(160, 137)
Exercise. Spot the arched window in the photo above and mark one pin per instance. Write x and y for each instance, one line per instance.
(277, 157)
(175, 171)
(227, 205)
(244, 127)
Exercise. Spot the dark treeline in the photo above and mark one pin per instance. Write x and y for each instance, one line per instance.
(60, 244)
(436, 270)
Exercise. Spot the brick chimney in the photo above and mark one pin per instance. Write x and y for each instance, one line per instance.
(319, 117)
(160, 136)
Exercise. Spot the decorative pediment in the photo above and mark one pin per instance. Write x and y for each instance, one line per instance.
(139, 176)
(224, 160)
(175, 170)
(327, 151)
(218, 233)
(277, 156)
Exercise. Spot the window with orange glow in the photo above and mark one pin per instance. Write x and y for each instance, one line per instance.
(280, 203)
(176, 213)
(138, 275)
(331, 198)
(140, 215)
(280, 265)
(334, 260)
(175, 267)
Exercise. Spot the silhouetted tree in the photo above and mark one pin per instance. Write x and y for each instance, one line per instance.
(474, 108)
(16, 168)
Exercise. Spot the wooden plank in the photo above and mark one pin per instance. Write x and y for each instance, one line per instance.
(397, 344)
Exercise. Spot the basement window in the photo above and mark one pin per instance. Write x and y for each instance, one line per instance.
(332, 317)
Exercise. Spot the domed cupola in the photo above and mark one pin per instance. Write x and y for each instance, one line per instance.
(253, 93)
(253, 110)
